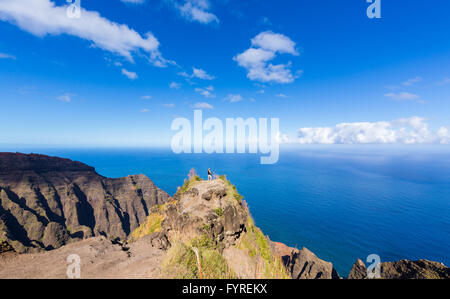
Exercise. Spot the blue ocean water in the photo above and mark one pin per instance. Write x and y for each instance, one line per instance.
(340, 202)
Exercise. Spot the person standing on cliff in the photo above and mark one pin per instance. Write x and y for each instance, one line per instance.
(209, 174)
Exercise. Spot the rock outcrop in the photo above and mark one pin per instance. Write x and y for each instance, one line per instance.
(209, 218)
(303, 264)
(46, 202)
(403, 269)
(358, 271)
(205, 207)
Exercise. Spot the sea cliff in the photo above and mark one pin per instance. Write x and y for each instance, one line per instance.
(129, 228)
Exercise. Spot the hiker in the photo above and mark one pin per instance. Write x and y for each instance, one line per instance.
(209, 174)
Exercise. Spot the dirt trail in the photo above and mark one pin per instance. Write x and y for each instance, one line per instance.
(99, 259)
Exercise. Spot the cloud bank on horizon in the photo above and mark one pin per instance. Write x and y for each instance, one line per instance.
(413, 130)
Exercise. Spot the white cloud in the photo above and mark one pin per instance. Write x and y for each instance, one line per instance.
(129, 75)
(201, 74)
(444, 81)
(67, 98)
(233, 98)
(206, 92)
(402, 96)
(265, 47)
(412, 81)
(197, 73)
(175, 85)
(43, 17)
(413, 130)
(274, 42)
(253, 58)
(170, 105)
(203, 105)
(145, 110)
(146, 97)
(281, 95)
(196, 11)
(443, 135)
(7, 56)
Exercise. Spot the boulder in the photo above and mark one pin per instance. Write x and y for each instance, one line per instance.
(303, 264)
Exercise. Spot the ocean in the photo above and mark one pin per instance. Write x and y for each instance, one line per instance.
(341, 202)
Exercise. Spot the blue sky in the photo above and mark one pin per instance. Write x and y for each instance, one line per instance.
(120, 74)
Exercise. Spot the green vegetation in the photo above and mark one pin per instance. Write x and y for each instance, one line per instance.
(181, 260)
(189, 182)
(219, 212)
(206, 227)
(151, 225)
(184, 188)
(232, 189)
(238, 197)
(224, 178)
(203, 242)
(257, 245)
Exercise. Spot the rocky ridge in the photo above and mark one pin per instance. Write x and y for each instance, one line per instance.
(47, 202)
(403, 269)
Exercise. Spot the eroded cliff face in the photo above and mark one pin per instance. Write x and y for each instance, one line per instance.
(403, 269)
(303, 264)
(46, 202)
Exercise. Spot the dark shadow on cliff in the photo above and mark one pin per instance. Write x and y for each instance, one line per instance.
(85, 212)
(53, 217)
(15, 230)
